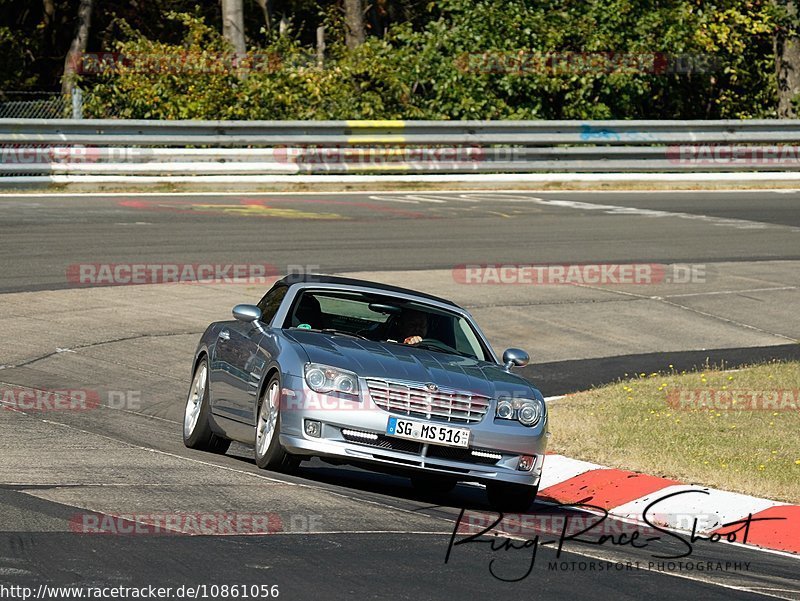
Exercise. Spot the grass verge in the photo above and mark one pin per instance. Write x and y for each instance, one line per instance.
(734, 430)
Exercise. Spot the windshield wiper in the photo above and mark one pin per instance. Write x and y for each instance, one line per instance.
(334, 332)
(343, 333)
(451, 351)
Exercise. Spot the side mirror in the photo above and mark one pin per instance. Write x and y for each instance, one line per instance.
(247, 313)
(515, 357)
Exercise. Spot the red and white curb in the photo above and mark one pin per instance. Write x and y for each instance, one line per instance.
(676, 506)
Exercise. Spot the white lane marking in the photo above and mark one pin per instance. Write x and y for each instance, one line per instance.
(639, 212)
(717, 292)
(497, 197)
(414, 198)
(524, 197)
(470, 197)
(395, 199)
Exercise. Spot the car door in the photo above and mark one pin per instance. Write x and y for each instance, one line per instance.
(261, 350)
(235, 369)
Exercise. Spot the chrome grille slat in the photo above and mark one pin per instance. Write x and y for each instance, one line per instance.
(413, 399)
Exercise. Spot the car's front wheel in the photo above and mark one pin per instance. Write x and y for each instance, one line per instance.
(504, 496)
(197, 433)
(270, 455)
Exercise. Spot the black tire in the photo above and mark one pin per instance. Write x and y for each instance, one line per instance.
(511, 497)
(274, 457)
(197, 433)
(433, 484)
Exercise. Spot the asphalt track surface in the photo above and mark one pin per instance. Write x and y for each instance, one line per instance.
(345, 532)
(388, 232)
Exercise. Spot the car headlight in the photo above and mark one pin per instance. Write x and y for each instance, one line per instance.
(528, 412)
(324, 379)
(505, 410)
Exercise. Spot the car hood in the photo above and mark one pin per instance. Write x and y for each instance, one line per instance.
(400, 362)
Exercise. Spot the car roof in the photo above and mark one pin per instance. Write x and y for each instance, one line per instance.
(312, 278)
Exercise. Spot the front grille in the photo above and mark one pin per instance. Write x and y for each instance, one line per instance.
(386, 442)
(414, 399)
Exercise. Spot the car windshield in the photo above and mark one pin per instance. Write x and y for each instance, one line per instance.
(384, 318)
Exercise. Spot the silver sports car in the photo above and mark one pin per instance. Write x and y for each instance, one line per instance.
(368, 374)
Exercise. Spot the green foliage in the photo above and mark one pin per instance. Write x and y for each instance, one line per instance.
(470, 59)
(13, 61)
(198, 79)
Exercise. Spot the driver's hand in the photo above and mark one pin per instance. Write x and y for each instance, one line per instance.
(413, 340)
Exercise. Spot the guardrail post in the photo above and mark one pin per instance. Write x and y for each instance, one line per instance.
(77, 103)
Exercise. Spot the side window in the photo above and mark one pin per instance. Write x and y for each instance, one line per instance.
(270, 303)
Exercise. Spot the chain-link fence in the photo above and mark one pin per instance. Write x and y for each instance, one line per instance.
(33, 105)
(39, 105)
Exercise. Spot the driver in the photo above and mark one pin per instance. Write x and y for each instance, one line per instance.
(413, 326)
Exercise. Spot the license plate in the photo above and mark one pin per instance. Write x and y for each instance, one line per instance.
(431, 433)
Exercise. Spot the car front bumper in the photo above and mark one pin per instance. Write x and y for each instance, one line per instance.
(506, 441)
(352, 452)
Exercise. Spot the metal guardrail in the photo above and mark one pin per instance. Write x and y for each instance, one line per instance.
(46, 147)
